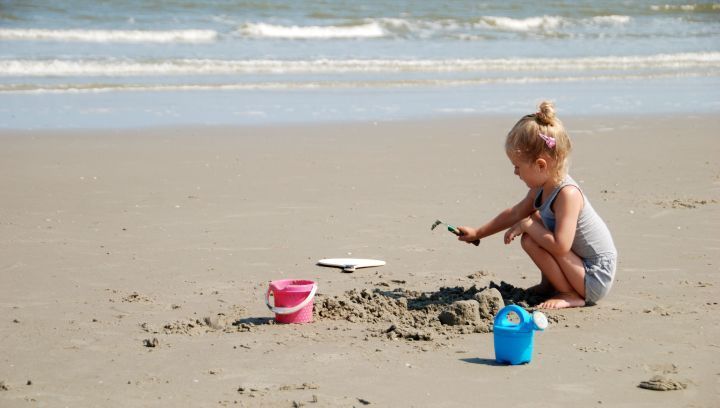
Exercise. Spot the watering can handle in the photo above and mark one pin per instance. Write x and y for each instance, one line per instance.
(522, 313)
(288, 310)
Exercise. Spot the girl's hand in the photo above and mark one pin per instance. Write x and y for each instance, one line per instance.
(514, 231)
(467, 234)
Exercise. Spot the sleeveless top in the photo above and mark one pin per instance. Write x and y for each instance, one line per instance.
(592, 237)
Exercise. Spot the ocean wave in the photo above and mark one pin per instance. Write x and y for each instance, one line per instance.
(264, 30)
(701, 7)
(611, 19)
(110, 36)
(366, 28)
(330, 84)
(548, 23)
(524, 24)
(390, 27)
(124, 68)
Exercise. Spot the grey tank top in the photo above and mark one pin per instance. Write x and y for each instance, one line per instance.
(592, 237)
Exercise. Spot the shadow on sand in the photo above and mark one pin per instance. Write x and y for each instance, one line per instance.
(483, 361)
(254, 321)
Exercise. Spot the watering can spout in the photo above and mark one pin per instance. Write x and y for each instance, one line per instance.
(540, 321)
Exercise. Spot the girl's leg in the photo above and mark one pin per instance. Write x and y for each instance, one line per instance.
(566, 274)
(544, 288)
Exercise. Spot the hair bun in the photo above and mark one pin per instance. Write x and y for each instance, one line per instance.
(546, 113)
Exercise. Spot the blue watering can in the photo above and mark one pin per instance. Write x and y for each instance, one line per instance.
(514, 341)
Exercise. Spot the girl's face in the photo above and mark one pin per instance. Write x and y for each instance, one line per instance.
(535, 174)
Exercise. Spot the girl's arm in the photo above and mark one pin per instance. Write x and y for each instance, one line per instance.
(504, 220)
(567, 208)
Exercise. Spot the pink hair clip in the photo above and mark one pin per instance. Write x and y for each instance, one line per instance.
(549, 141)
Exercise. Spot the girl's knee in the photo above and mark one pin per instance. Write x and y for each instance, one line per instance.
(527, 243)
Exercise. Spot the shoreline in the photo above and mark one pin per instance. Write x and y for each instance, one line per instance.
(133, 110)
(438, 120)
(111, 237)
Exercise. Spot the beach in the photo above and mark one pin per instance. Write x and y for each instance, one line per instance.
(135, 262)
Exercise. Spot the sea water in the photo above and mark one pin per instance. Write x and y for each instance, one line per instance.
(134, 63)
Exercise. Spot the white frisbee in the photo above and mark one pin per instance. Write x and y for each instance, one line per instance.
(350, 264)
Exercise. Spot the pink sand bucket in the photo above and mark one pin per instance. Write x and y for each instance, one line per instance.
(293, 300)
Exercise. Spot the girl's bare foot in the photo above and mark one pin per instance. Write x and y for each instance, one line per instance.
(562, 301)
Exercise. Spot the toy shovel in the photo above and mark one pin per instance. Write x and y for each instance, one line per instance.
(452, 229)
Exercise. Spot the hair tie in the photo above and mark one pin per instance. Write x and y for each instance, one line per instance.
(549, 141)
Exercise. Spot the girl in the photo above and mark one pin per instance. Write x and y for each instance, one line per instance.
(558, 227)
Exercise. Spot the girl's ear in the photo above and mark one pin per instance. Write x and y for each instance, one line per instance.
(541, 164)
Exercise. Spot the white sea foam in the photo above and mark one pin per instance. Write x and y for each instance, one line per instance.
(313, 85)
(612, 19)
(110, 36)
(263, 30)
(403, 27)
(129, 68)
(525, 24)
(686, 7)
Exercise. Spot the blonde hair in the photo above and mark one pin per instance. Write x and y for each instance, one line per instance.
(541, 134)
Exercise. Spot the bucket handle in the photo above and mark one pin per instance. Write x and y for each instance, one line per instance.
(288, 310)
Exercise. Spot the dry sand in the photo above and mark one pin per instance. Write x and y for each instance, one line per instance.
(134, 263)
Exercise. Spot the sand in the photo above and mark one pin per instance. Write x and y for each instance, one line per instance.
(134, 264)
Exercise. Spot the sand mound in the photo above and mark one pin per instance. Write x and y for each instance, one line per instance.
(393, 314)
(228, 321)
(661, 383)
(416, 315)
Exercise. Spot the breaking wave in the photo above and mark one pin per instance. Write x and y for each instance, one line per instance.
(110, 36)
